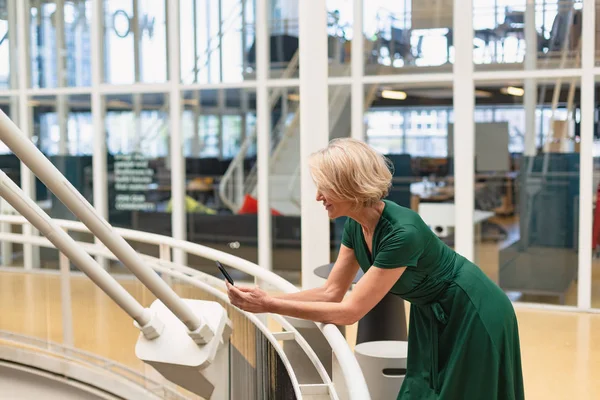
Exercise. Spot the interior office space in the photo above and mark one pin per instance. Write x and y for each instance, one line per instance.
(165, 124)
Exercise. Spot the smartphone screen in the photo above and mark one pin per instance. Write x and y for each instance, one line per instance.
(224, 272)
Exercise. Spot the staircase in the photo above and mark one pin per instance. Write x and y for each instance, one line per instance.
(284, 163)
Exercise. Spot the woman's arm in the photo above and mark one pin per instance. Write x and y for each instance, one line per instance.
(369, 290)
(337, 284)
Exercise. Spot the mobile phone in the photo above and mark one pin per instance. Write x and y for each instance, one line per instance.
(224, 272)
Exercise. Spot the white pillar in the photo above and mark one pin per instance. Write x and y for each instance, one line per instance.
(178, 216)
(137, 41)
(314, 135)
(464, 127)
(586, 189)
(62, 110)
(100, 183)
(263, 135)
(30, 253)
(530, 87)
(358, 62)
(6, 247)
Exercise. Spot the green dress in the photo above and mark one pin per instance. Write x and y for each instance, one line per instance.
(463, 339)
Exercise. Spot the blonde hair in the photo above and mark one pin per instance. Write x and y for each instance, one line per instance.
(349, 169)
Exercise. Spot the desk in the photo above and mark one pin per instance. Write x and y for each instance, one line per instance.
(386, 321)
(441, 218)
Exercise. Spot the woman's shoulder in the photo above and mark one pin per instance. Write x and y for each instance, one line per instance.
(399, 216)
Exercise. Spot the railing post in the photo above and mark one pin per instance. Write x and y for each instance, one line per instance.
(65, 298)
(6, 227)
(164, 253)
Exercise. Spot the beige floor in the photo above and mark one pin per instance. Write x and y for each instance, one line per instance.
(561, 359)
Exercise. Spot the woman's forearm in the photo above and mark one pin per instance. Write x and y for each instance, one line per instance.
(315, 294)
(338, 313)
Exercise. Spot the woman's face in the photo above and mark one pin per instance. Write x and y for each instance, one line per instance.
(335, 208)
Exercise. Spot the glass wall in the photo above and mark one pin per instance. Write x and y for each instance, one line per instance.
(7, 46)
(527, 189)
(216, 126)
(409, 120)
(135, 41)
(59, 42)
(284, 181)
(218, 41)
(506, 31)
(62, 130)
(340, 33)
(283, 39)
(595, 200)
(139, 178)
(405, 36)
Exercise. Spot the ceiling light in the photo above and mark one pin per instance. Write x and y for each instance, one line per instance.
(393, 94)
(482, 93)
(293, 97)
(513, 91)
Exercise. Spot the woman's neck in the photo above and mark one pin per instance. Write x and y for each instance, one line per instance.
(368, 217)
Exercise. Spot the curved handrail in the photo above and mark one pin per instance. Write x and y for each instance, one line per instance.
(88, 359)
(352, 373)
(180, 272)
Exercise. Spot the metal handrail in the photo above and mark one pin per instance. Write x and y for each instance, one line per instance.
(90, 359)
(353, 376)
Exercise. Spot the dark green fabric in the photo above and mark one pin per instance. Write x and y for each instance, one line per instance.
(463, 340)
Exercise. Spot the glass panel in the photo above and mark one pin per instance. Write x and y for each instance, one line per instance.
(410, 124)
(284, 182)
(56, 32)
(217, 52)
(409, 119)
(283, 38)
(62, 130)
(527, 188)
(218, 126)
(401, 36)
(340, 18)
(340, 125)
(596, 208)
(8, 55)
(9, 107)
(501, 32)
(139, 173)
(135, 42)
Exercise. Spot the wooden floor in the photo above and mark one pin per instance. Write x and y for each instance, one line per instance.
(561, 359)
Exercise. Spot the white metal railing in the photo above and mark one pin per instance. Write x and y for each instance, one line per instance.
(352, 374)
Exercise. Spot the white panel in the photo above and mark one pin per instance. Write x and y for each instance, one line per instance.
(584, 287)
(530, 97)
(464, 140)
(100, 183)
(314, 134)
(263, 129)
(30, 253)
(178, 217)
(358, 126)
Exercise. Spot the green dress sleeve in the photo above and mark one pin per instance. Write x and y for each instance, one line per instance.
(347, 234)
(402, 247)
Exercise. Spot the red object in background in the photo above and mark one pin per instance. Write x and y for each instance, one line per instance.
(250, 206)
(596, 228)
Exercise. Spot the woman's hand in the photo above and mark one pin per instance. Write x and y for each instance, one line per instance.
(253, 300)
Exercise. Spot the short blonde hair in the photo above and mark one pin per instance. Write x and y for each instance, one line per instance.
(350, 170)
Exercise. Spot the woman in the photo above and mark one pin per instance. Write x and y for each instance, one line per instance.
(463, 340)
